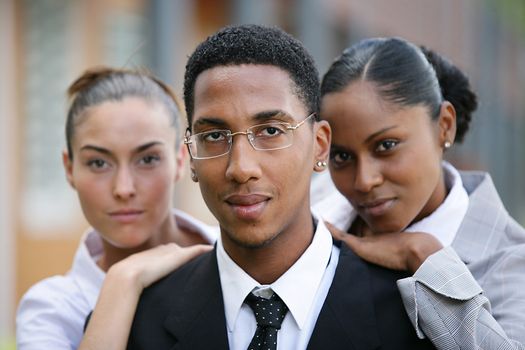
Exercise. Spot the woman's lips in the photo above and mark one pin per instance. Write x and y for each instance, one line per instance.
(126, 216)
(248, 207)
(376, 207)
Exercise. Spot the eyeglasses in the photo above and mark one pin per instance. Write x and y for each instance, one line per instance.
(262, 137)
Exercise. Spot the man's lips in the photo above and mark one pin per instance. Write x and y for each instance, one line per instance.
(376, 207)
(126, 215)
(249, 206)
(246, 199)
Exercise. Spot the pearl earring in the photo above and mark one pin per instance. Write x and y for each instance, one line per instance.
(320, 163)
(447, 144)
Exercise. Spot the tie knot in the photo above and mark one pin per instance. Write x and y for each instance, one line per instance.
(268, 312)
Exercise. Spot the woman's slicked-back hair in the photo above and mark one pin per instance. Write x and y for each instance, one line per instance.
(404, 74)
(102, 84)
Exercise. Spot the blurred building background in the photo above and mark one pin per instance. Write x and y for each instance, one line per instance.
(45, 44)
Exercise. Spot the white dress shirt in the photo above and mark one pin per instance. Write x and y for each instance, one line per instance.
(52, 313)
(303, 288)
(443, 223)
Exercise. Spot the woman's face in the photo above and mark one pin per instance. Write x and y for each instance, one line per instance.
(123, 169)
(385, 158)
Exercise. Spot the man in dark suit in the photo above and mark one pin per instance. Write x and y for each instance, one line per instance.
(276, 280)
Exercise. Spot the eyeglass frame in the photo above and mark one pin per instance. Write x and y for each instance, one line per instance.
(247, 132)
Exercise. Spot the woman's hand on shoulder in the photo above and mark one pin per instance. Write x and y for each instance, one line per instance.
(132, 274)
(404, 251)
(144, 268)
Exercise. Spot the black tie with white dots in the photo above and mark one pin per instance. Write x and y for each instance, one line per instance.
(269, 314)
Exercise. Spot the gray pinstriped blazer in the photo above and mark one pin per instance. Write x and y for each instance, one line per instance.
(472, 295)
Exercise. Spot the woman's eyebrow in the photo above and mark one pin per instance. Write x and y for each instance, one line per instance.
(377, 133)
(147, 145)
(106, 151)
(99, 149)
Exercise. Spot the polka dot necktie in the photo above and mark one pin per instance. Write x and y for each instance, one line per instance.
(269, 314)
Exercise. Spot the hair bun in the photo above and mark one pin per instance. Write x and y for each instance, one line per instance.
(87, 79)
(455, 88)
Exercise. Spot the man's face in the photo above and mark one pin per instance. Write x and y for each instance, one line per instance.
(257, 196)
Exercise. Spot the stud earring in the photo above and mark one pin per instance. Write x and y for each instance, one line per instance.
(447, 144)
(194, 176)
(320, 163)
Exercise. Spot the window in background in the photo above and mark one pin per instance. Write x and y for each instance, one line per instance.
(47, 70)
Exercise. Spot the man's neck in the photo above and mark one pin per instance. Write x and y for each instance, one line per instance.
(267, 263)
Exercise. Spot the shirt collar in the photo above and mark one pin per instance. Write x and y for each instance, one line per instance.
(91, 277)
(85, 269)
(297, 287)
(444, 222)
(335, 209)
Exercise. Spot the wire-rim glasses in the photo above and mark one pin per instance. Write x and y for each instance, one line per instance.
(263, 137)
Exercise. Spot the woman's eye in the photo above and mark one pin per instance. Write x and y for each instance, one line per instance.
(386, 145)
(338, 158)
(97, 164)
(149, 160)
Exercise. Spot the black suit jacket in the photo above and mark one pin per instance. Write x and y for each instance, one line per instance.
(363, 310)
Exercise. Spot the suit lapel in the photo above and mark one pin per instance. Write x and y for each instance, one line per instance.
(197, 319)
(486, 218)
(347, 318)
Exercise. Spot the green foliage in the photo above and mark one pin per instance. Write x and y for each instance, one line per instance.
(7, 344)
(511, 12)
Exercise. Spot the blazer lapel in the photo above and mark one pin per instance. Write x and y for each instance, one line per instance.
(485, 220)
(347, 318)
(197, 319)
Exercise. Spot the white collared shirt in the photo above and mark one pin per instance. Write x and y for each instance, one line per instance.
(303, 288)
(443, 223)
(52, 313)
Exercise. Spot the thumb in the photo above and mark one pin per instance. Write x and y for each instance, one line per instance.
(350, 240)
(335, 232)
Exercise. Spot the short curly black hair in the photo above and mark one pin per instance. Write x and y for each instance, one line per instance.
(254, 44)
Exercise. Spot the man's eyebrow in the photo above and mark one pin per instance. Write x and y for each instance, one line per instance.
(265, 116)
(207, 121)
(260, 117)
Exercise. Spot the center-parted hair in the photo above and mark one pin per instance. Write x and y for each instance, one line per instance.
(404, 74)
(254, 44)
(98, 85)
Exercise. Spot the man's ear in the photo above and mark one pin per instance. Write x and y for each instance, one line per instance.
(68, 167)
(323, 137)
(180, 160)
(447, 124)
(193, 174)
